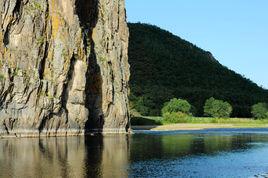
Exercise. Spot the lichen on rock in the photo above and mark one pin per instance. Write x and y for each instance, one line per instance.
(63, 67)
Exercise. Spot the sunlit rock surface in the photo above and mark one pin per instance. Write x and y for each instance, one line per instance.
(63, 67)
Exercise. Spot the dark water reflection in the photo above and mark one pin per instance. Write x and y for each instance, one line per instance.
(141, 155)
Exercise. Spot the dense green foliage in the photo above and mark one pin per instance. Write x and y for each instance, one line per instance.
(260, 111)
(164, 66)
(176, 105)
(175, 117)
(217, 108)
(176, 110)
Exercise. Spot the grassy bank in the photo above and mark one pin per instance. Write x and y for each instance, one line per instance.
(194, 121)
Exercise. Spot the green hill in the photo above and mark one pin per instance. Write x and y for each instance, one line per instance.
(164, 66)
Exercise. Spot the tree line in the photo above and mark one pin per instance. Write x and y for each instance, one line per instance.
(178, 109)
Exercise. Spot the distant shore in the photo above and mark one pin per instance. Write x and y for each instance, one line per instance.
(181, 127)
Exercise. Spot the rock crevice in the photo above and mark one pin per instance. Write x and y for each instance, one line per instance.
(63, 67)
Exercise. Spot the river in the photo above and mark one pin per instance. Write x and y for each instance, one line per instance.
(208, 153)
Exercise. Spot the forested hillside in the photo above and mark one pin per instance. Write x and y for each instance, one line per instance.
(164, 66)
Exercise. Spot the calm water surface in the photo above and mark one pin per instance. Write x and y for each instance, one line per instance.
(210, 153)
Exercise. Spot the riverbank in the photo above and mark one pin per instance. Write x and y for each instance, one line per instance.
(181, 127)
(195, 123)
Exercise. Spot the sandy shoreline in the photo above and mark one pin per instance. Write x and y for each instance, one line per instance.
(178, 127)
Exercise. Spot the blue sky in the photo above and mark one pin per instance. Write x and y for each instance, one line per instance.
(235, 31)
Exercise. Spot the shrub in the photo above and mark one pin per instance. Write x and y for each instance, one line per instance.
(176, 111)
(217, 108)
(260, 110)
(177, 106)
(175, 117)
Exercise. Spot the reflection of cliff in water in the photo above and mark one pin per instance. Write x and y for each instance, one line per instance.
(107, 156)
(54, 157)
(64, 157)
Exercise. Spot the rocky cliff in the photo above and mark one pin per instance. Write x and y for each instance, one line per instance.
(63, 67)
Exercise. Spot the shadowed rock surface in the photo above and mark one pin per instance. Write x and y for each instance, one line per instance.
(63, 67)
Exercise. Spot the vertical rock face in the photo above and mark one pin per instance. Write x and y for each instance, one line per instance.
(63, 67)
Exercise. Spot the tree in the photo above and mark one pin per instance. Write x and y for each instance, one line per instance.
(217, 108)
(260, 110)
(176, 105)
